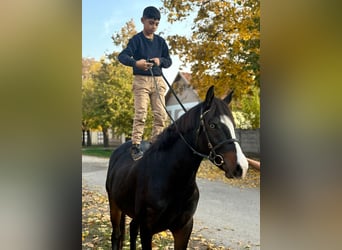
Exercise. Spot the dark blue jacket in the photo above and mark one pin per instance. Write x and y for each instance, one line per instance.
(140, 47)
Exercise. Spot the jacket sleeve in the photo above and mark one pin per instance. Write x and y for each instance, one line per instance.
(126, 56)
(165, 60)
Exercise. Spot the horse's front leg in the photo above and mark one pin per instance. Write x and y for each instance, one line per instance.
(133, 231)
(146, 238)
(181, 236)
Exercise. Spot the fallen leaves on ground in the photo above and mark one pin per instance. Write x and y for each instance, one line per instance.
(209, 171)
(96, 228)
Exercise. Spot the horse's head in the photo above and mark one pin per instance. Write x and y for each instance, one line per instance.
(217, 134)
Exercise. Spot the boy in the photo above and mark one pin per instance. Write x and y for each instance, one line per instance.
(147, 51)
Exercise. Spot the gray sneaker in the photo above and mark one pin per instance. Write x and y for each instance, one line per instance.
(136, 152)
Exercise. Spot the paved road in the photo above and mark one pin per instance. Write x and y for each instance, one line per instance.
(228, 215)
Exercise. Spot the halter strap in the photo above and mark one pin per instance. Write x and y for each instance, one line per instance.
(215, 158)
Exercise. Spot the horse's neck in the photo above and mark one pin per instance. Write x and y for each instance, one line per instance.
(177, 153)
(186, 161)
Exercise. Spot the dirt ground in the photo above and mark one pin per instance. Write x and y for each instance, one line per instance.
(96, 226)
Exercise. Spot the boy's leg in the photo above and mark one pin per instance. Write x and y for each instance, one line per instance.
(141, 100)
(158, 104)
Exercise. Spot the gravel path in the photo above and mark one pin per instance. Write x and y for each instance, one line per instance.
(227, 215)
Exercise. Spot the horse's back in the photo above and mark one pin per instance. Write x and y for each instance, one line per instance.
(121, 158)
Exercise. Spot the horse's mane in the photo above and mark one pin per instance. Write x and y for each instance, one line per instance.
(189, 121)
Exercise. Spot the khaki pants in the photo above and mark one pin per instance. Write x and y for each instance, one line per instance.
(144, 91)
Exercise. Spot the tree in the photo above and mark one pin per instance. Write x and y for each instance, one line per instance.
(248, 114)
(111, 99)
(106, 97)
(87, 86)
(223, 49)
(89, 68)
(121, 81)
(121, 38)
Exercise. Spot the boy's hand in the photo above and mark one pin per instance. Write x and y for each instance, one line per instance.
(143, 64)
(156, 61)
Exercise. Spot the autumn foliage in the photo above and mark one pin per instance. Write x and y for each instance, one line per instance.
(223, 48)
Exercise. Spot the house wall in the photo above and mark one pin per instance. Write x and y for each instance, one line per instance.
(185, 96)
(177, 111)
(97, 136)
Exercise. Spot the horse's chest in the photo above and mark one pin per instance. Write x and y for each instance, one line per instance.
(173, 206)
(171, 214)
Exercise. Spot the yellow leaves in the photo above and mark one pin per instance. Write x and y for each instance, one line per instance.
(224, 46)
(210, 172)
(163, 234)
(245, 36)
(96, 227)
(198, 242)
(122, 38)
(88, 245)
(162, 240)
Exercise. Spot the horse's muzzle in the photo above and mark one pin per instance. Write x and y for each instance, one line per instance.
(232, 167)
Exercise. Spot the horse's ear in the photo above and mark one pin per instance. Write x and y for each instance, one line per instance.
(209, 98)
(228, 98)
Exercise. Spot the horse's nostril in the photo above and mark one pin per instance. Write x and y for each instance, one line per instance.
(238, 171)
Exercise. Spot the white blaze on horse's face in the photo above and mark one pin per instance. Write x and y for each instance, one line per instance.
(241, 158)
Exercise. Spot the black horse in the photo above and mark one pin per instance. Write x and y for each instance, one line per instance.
(159, 191)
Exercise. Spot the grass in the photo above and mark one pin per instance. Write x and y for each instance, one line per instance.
(97, 151)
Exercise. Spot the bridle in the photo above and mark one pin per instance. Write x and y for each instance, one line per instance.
(214, 157)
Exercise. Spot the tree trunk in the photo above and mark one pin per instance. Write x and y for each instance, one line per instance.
(83, 138)
(88, 138)
(105, 137)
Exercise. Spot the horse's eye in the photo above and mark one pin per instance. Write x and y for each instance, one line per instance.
(212, 125)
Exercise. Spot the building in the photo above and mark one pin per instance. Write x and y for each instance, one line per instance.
(185, 93)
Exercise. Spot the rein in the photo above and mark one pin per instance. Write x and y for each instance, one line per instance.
(215, 158)
(173, 92)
